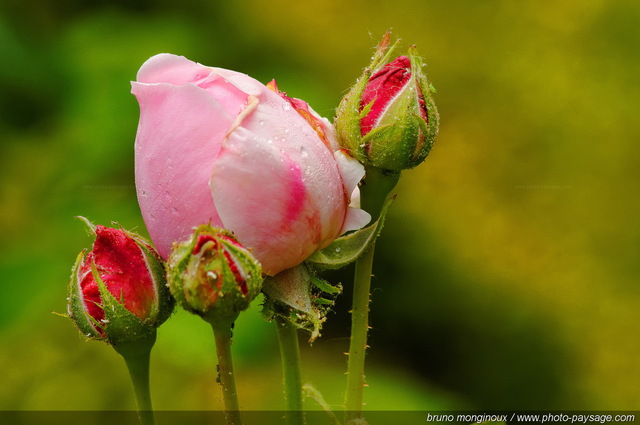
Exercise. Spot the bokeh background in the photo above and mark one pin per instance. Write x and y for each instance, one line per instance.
(507, 275)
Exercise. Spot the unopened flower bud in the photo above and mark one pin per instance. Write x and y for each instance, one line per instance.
(388, 119)
(212, 275)
(118, 290)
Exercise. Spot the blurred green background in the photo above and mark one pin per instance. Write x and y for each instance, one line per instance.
(506, 277)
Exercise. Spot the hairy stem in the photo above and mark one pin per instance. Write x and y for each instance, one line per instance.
(290, 354)
(226, 378)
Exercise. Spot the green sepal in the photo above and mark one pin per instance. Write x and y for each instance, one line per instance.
(395, 147)
(325, 286)
(348, 118)
(383, 52)
(166, 303)
(76, 309)
(252, 270)
(365, 111)
(421, 152)
(119, 324)
(176, 267)
(427, 89)
(384, 131)
(300, 297)
(386, 147)
(348, 248)
(230, 301)
(91, 227)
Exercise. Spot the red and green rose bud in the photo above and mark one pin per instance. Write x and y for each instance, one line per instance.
(213, 275)
(118, 290)
(388, 119)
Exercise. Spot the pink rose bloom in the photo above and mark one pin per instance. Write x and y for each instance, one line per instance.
(216, 146)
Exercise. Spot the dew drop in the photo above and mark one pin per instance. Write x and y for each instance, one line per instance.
(286, 106)
(212, 275)
(338, 249)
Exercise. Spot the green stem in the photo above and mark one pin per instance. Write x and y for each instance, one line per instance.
(137, 355)
(222, 335)
(359, 329)
(290, 355)
(376, 187)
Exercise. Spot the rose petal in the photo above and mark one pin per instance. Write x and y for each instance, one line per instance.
(171, 69)
(274, 201)
(176, 146)
(355, 219)
(350, 169)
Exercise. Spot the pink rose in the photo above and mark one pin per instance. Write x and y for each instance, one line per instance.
(216, 146)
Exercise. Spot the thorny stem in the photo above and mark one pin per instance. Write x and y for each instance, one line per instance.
(376, 187)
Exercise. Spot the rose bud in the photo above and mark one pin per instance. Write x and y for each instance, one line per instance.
(212, 275)
(388, 119)
(118, 290)
(216, 146)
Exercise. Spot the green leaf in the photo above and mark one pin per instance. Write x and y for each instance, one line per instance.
(77, 310)
(348, 248)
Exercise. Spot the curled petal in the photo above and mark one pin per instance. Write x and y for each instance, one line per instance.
(275, 203)
(350, 169)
